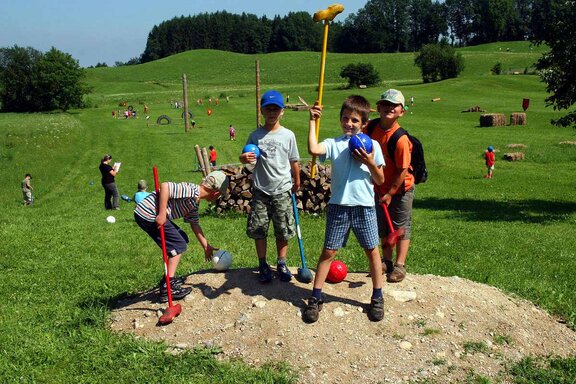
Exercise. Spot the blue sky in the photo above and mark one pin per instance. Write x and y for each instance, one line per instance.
(110, 31)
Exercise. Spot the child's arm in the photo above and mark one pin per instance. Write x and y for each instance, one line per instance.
(208, 249)
(315, 148)
(376, 171)
(162, 204)
(295, 167)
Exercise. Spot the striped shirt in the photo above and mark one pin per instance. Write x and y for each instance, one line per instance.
(183, 201)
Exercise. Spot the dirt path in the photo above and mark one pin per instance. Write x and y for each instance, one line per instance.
(438, 328)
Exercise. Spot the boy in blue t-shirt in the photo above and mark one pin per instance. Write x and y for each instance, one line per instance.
(142, 191)
(351, 205)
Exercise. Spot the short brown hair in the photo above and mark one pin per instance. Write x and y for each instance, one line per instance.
(359, 104)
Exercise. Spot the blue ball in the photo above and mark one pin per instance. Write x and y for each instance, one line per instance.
(360, 140)
(252, 148)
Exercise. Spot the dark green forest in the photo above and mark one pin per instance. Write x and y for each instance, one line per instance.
(380, 26)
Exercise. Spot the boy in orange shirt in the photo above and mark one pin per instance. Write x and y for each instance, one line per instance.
(397, 191)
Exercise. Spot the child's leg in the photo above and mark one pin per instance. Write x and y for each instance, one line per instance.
(375, 268)
(281, 248)
(323, 268)
(261, 246)
(402, 247)
(173, 265)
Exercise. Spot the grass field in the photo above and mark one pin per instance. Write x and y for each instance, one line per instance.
(64, 266)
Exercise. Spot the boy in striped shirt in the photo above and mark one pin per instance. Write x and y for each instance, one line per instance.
(178, 200)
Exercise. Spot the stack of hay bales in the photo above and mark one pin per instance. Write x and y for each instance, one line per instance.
(492, 119)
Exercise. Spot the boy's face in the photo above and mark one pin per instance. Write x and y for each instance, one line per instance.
(390, 111)
(272, 114)
(213, 195)
(351, 122)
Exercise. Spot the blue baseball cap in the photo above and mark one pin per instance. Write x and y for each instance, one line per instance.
(272, 98)
(490, 148)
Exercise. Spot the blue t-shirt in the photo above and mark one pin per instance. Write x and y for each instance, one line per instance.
(139, 196)
(351, 180)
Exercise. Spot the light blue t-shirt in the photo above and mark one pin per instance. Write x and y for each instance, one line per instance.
(139, 196)
(272, 173)
(351, 180)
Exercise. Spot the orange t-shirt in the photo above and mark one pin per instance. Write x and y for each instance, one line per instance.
(402, 157)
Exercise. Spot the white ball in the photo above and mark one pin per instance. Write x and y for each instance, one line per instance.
(111, 219)
(222, 260)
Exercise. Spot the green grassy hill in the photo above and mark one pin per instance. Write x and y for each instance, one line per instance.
(64, 266)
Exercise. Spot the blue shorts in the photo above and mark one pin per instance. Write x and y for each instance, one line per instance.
(341, 219)
(400, 210)
(176, 238)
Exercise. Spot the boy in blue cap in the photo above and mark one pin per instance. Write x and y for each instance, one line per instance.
(276, 176)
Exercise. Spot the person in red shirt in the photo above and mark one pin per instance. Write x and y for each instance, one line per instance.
(397, 191)
(213, 155)
(490, 160)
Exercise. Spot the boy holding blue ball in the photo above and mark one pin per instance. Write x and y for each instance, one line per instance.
(351, 205)
(276, 175)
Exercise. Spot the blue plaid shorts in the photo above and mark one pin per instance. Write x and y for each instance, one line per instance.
(340, 219)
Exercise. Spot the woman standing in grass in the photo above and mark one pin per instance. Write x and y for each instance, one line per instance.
(109, 183)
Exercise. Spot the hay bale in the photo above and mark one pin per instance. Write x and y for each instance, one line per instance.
(492, 119)
(518, 118)
(516, 146)
(514, 156)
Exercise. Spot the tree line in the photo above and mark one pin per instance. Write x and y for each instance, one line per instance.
(380, 26)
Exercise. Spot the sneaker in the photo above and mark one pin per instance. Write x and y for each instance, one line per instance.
(176, 280)
(397, 275)
(376, 309)
(265, 274)
(283, 272)
(387, 267)
(312, 310)
(178, 291)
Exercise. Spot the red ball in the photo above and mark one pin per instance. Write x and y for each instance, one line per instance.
(337, 272)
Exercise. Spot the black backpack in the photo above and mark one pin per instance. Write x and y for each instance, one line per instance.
(417, 159)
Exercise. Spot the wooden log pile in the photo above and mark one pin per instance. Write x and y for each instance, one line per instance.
(312, 197)
(518, 118)
(492, 119)
(514, 156)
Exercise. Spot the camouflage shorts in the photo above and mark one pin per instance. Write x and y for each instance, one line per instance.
(278, 209)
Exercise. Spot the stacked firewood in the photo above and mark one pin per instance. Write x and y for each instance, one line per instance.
(312, 197)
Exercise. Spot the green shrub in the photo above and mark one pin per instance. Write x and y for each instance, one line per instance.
(439, 62)
(360, 74)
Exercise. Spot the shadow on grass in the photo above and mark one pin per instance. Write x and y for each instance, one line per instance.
(528, 211)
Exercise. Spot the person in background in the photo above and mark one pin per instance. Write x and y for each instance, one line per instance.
(109, 183)
(213, 155)
(27, 190)
(232, 132)
(142, 191)
(490, 160)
